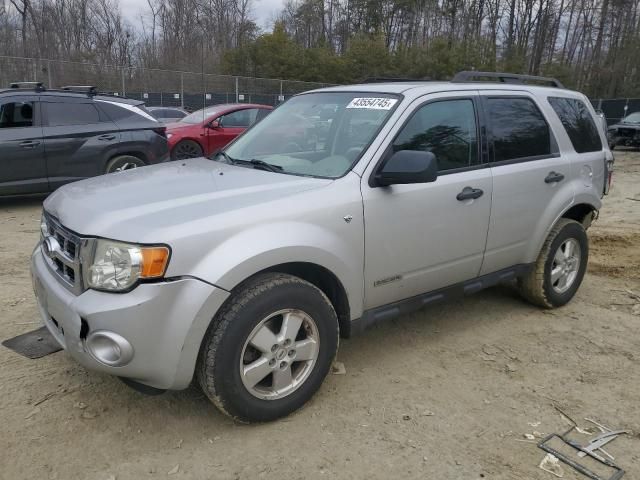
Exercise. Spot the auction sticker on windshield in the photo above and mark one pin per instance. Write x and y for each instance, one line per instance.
(373, 103)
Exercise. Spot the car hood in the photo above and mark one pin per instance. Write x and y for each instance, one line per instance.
(141, 205)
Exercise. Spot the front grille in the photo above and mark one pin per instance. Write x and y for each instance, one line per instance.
(64, 260)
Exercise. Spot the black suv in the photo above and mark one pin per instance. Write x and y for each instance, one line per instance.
(52, 137)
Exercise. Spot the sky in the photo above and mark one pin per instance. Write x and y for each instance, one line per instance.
(263, 10)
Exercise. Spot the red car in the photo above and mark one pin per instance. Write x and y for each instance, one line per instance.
(203, 132)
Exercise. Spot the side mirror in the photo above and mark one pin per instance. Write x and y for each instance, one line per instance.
(214, 124)
(408, 166)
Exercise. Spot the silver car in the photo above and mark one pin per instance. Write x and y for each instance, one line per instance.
(243, 271)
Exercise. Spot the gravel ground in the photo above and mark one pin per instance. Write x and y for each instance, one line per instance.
(446, 393)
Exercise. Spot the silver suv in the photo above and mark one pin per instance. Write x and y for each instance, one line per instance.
(345, 207)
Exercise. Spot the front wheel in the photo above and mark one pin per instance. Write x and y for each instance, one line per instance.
(269, 348)
(560, 267)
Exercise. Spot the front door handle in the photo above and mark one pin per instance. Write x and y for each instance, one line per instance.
(469, 193)
(106, 137)
(29, 144)
(554, 177)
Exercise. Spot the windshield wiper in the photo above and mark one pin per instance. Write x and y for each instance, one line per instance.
(253, 163)
(267, 166)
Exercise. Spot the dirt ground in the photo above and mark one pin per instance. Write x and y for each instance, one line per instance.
(446, 393)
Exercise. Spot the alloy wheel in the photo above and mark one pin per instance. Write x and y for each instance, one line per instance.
(279, 354)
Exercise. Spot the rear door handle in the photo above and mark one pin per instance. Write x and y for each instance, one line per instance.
(106, 137)
(469, 193)
(29, 144)
(554, 177)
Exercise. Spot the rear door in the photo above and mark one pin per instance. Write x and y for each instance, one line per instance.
(78, 138)
(22, 163)
(531, 180)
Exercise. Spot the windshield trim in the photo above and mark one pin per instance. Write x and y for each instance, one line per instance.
(356, 160)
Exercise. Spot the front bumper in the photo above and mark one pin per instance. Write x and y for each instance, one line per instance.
(163, 322)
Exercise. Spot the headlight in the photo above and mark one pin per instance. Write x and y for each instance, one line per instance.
(169, 135)
(118, 266)
(44, 226)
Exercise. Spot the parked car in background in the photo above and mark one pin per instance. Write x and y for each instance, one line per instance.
(52, 137)
(204, 131)
(625, 133)
(167, 114)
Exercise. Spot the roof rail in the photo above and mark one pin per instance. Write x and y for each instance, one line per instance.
(472, 76)
(88, 89)
(392, 79)
(27, 85)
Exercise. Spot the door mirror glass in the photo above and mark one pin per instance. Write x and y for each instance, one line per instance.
(215, 124)
(408, 166)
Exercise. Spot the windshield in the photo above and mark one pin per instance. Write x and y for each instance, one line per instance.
(633, 118)
(200, 116)
(316, 134)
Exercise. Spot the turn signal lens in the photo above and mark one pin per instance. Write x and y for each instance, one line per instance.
(154, 261)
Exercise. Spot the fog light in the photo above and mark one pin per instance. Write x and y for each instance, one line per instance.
(109, 348)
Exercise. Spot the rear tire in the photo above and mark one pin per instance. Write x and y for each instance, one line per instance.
(123, 162)
(269, 348)
(560, 267)
(186, 149)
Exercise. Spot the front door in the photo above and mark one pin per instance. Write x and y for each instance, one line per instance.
(422, 237)
(230, 125)
(22, 163)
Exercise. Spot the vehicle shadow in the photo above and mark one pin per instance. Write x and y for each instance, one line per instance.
(25, 201)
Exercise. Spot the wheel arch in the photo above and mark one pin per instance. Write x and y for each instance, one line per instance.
(584, 213)
(326, 281)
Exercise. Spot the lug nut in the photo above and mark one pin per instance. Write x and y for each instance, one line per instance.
(292, 352)
(287, 342)
(274, 348)
(272, 362)
(283, 365)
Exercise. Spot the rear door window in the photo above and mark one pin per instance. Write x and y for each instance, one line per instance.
(16, 114)
(578, 123)
(61, 114)
(518, 128)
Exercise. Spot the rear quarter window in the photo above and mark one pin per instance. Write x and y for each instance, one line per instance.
(578, 123)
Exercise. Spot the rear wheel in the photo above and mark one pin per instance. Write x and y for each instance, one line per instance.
(186, 149)
(560, 267)
(269, 348)
(123, 162)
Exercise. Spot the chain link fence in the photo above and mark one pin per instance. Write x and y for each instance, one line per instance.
(194, 90)
(156, 87)
(615, 109)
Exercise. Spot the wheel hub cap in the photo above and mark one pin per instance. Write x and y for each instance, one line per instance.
(279, 354)
(565, 265)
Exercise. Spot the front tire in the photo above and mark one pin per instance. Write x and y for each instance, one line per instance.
(560, 267)
(269, 348)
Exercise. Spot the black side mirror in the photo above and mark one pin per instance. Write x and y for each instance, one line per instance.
(408, 166)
